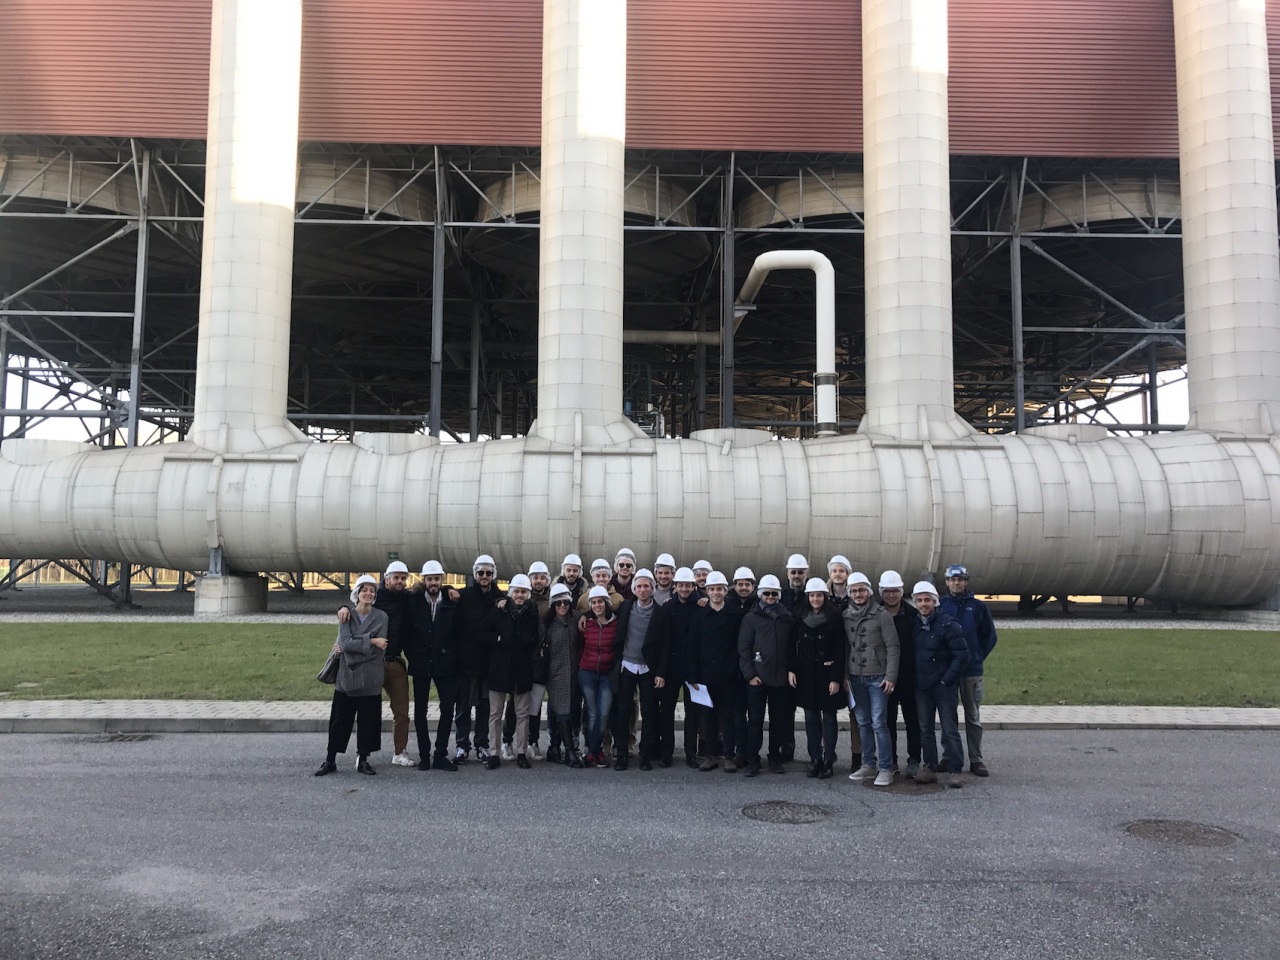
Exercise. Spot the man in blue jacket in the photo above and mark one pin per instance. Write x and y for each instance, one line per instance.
(941, 655)
(980, 634)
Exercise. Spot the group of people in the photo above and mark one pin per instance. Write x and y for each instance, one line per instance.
(596, 643)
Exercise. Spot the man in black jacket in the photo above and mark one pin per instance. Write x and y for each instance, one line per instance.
(433, 658)
(714, 665)
(763, 640)
(681, 610)
(904, 694)
(640, 663)
(473, 627)
(942, 653)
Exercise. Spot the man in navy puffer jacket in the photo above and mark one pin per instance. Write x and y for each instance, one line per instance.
(941, 656)
(980, 633)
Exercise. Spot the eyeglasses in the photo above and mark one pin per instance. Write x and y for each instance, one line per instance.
(484, 573)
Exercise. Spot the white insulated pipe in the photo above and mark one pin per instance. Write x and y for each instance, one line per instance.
(906, 170)
(584, 120)
(824, 378)
(246, 270)
(1230, 258)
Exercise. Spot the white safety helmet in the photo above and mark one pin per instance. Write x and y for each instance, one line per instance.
(891, 580)
(624, 552)
(520, 581)
(432, 568)
(841, 560)
(598, 593)
(560, 590)
(797, 562)
(685, 575)
(743, 573)
(570, 560)
(716, 579)
(538, 567)
(643, 573)
(484, 560)
(702, 565)
(601, 564)
(769, 582)
(360, 582)
(857, 578)
(924, 586)
(665, 560)
(815, 585)
(395, 566)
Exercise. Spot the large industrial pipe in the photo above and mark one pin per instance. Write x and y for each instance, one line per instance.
(1230, 259)
(824, 377)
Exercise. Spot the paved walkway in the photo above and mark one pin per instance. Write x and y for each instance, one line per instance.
(304, 716)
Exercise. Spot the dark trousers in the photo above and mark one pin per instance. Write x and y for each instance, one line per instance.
(725, 724)
(509, 721)
(822, 730)
(904, 694)
(668, 696)
(941, 700)
(786, 724)
(446, 694)
(345, 713)
(473, 694)
(627, 688)
(758, 699)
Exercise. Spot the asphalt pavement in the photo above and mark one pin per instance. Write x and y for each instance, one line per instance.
(182, 846)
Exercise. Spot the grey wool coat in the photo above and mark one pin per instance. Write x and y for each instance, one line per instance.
(360, 671)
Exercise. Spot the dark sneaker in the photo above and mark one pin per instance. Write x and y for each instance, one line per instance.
(813, 769)
(979, 769)
(692, 762)
(522, 761)
(621, 762)
(493, 763)
(602, 761)
(424, 764)
(827, 772)
(364, 767)
(776, 766)
(665, 763)
(646, 766)
(753, 768)
(327, 768)
(442, 762)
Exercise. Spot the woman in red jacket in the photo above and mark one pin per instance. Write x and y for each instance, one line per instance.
(599, 637)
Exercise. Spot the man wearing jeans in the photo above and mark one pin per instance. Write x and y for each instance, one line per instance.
(980, 634)
(941, 656)
(871, 667)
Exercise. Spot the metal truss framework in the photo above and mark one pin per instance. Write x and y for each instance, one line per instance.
(430, 324)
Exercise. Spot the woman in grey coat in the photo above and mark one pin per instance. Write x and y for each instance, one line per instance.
(357, 694)
(559, 650)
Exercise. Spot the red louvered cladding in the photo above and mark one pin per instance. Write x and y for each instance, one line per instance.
(1086, 78)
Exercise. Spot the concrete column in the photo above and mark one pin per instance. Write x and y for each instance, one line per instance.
(584, 116)
(910, 382)
(1230, 263)
(246, 275)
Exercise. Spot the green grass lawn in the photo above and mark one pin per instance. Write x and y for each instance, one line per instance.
(224, 661)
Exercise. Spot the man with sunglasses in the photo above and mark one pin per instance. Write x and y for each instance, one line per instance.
(763, 642)
(624, 571)
(475, 628)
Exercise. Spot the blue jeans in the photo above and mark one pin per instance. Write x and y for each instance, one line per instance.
(871, 707)
(597, 696)
(940, 699)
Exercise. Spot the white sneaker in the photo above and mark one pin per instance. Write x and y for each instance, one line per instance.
(482, 754)
(884, 778)
(507, 752)
(535, 753)
(403, 760)
(864, 772)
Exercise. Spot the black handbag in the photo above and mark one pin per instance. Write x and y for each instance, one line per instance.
(329, 672)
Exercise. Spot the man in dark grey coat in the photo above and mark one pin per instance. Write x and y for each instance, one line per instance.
(763, 639)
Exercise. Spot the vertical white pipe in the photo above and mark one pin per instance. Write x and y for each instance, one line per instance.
(246, 273)
(1230, 261)
(584, 118)
(910, 381)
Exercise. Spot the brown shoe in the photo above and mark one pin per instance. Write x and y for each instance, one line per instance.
(926, 775)
(730, 766)
(710, 763)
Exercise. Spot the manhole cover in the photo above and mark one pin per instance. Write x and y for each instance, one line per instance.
(116, 738)
(1186, 832)
(783, 811)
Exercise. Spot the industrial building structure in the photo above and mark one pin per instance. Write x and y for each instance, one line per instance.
(247, 225)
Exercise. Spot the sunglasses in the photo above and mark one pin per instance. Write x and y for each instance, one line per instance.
(771, 593)
(561, 602)
(625, 566)
(484, 573)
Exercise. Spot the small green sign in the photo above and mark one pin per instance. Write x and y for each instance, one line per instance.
(393, 556)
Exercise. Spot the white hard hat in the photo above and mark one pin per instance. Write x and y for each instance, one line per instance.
(395, 566)
(624, 552)
(859, 578)
(665, 560)
(643, 574)
(520, 581)
(685, 575)
(538, 567)
(601, 564)
(571, 560)
(797, 562)
(815, 585)
(598, 593)
(743, 573)
(560, 590)
(716, 579)
(891, 580)
(484, 560)
(702, 565)
(840, 559)
(360, 582)
(432, 567)
(924, 586)
(769, 582)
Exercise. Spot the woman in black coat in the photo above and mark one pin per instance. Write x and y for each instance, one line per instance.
(816, 670)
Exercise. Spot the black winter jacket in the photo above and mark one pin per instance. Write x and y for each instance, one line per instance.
(941, 650)
(714, 657)
(763, 642)
(429, 642)
(817, 659)
(473, 628)
(395, 604)
(681, 637)
(512, 646)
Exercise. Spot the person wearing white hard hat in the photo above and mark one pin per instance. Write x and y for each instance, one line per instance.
(816, 674)
(429, 646)
(764, 642)
(701, 570)
(794, 597)
(357, 692)
(474, 627)
(595, 672)
(556, 668)
(394, 600)
(571, 575)
(871, 670)
(744, 589)
(601, 576)
(838, 570)
(642, 671)
(681, 611)
(942, 653)
(714, 665)
(510, 665)
(664, 575)
(540, 588)
(624, 570)
(980, 633)
(903, 698)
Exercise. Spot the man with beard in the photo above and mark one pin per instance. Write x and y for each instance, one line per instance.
(681, 610)
(474, 626)
(432, 658)
(764, 640)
